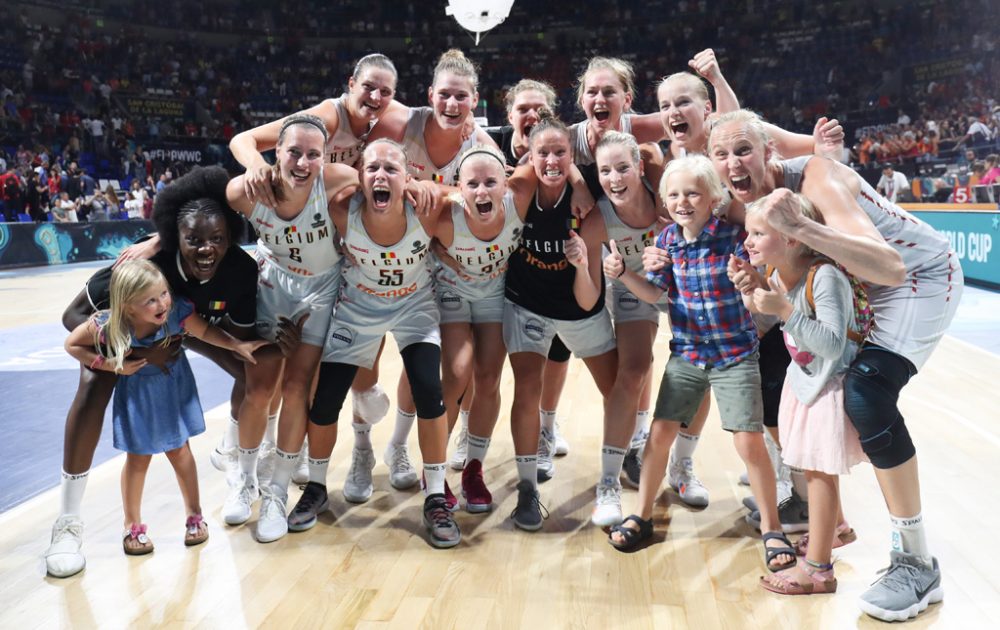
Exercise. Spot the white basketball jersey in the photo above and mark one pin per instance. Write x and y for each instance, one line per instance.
(484, 262)
(418, 162)
(344, 147)
(578, 140)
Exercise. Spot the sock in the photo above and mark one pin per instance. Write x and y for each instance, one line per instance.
(71, 492)
(478, 446)
(548, 419)
(317, 470)
(231, 436)
(271, 432)
(684, 446)
(611, 461)
(799, 483)
(434, 478)
(284, 465)
(463, 415)
(362, 435)
(248, 462)
(908, 536)
(527, 468)
(641, 427)
(401, 432)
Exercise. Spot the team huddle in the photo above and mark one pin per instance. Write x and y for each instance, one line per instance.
(793, 290)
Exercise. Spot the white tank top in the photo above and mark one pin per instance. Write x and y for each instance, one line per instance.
(484, 261)
(385, 273)
(304, 245)
(629, 240)
(578, 140)
(418, 162)
(917, 242)
(344, 147)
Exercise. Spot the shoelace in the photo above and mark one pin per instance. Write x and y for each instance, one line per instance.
(608, 493)
(272, 505)
(897, 577)
(309, 500)
(534, 500)
(359, 466)
(401, 460)
(688, 467)
(68, 528)
(545, 443)
(439, 514)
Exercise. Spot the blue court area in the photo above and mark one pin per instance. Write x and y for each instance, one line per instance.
(37, 383)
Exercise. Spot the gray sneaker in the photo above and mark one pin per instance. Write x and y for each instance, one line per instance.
(546, 448)
(313, 502)
(358, 486)
(905, 590)
(529, 512)
(793, 513)
(632, 466)
(440, 523)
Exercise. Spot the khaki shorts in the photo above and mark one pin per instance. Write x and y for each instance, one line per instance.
(736, 387)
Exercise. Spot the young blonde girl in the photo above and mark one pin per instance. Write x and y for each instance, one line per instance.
(814, 301)
(156, 407)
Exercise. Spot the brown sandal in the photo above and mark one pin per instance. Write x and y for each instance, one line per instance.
(195, 530)
(790, 581)
(135, 542)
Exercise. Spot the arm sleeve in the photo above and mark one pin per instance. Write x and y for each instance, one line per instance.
(826, 335)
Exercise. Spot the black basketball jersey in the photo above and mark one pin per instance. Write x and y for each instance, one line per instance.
(539, 278)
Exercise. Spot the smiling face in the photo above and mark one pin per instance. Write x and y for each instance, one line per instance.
(300, 155)
(688, 201)
(371, 93)
(604, 99)
(683, 112)
(203, 240)
(552, 157)
(740, 159)
(452, 97)
(483, 182)
(524, 111)
(765, 245)
(383, 176)
(620, 176)
(151, 306)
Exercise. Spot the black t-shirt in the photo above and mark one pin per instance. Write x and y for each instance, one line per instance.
(504, 137)
(232, 290)
(539, 278)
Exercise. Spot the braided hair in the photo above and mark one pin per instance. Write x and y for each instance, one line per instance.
(200, 191)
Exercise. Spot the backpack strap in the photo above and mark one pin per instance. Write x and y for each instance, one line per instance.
(852, 334)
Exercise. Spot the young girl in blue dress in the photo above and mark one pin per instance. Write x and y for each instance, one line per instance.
(156, 409)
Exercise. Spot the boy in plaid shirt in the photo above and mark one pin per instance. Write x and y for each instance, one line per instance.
(714, 344)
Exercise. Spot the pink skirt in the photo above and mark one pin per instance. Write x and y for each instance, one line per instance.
(819, 436)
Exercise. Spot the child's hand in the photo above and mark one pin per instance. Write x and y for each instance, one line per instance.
(289, 334)
(246, 349)
(743, 275)
(614, 264)
(773, 301)
(576, 250)
(131, 366)
(654, 258)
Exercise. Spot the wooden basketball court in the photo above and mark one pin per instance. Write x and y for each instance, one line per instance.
(370, 566)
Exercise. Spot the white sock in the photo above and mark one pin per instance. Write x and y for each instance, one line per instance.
(684, 446)
(248, 462)
(362, 435)
(641, 426)
(317, 470)
(478, 446)
(434, 479)
(611, 461)
(231, 436)
(799, 483)
(271, 432)
(463, 415)
(401, 432)
(527, 468)
(548, 419)
(284, 466)
(909, 536)
(71, 492)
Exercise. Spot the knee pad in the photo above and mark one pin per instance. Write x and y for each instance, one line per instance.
(372, 404)
(558, 351)
(331, 391)
(423, 367)
(871, 391)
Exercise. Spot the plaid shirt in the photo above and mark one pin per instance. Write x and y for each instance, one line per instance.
(710, 325)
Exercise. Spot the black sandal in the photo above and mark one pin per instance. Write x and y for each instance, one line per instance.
(770, 553)
(631, 537)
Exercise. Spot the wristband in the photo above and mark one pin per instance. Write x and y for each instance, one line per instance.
(97, 363)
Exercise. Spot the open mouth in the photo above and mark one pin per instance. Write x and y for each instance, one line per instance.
(527, 130)
(204, 265)
(373, 107)
(602, 115)
(683, 212)
(381, 196)
(161, 315)
(553, 172)
(679, 128)
(741, 184)
(618, 191)
(484, 207)
(299, 176)
(452, 117)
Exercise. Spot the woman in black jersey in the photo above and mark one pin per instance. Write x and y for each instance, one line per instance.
(555, 284)
(203, 262)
